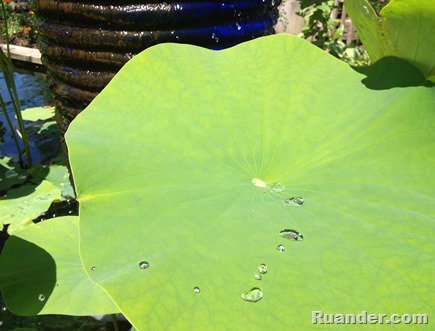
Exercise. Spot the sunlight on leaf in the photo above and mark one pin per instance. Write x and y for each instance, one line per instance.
(207, 165)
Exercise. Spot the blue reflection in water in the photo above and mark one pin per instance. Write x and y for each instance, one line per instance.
(33, 91)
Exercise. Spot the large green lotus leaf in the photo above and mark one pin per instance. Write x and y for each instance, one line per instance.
(405, 28)
(200, 159)
(41, 272)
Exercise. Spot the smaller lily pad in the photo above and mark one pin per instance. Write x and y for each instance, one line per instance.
(41, 272)
(38, 113)
(23, 204)
(58, 175)
(10, 174)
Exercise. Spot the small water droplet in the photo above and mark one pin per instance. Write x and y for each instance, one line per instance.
(291, 235)
(262, 269)
(253, 295)
(277, 188)
(258, 277)
(41, 297)
(144, 265)
(281, 248)
(238, 26)
(93, 268)
(4, 308)
(293, 202)
(196, 289)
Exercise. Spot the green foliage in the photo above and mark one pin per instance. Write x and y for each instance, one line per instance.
(404, 28)
(238, 198)
(324, 28)
(41, 272)
(197, 195)
(27, 193)
(20, 22)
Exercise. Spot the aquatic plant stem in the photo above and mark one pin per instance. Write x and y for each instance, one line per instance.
(115, 322)
(11, 127)
(8, 71)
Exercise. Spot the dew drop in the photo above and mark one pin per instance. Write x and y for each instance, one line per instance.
(253, 295)
(277, 188)
(258, 277)
(291, 235)
(196, 289)
(41, 297)
(93, 268)
(262, 269)
(4, 308)
(144, 265)
(280, 248)
(293, 202)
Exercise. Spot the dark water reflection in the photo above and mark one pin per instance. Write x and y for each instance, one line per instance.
(33, 91)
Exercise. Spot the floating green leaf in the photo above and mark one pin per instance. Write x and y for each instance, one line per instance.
(10, 174)
(41, 272)
(405, 28)
(38, 113)
(21, 205)
(58, 175)
(186, 144)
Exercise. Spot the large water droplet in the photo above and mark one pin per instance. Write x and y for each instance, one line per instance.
(144, 265)
(41, 297)
(196, 289)
(277, 188)
(262, 268)
(281, 248)
(253, 295)
(291, 235)
(293, 202)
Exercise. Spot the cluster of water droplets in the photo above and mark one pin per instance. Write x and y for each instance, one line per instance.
(277, 190)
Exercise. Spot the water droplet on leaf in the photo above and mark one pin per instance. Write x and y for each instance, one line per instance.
(291, 235)
(144, 265)
(277, 188)
(196, 289)
(93, 268)
(281, 248)
(262, 268)
(293, 202)
(41, 297)
(253, 295)
(258, 277)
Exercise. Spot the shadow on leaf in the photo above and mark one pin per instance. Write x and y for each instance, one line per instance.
(390, 72)
(27, 276)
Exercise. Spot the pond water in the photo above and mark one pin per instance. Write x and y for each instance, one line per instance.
(33, 91)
